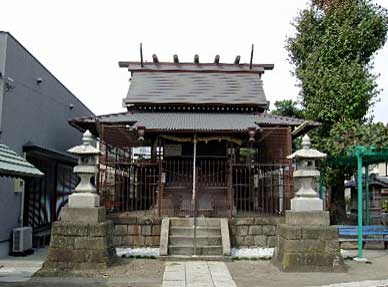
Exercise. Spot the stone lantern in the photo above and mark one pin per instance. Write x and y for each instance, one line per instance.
(306, 198)
(82, 238)
(307, 242)
(85, 195)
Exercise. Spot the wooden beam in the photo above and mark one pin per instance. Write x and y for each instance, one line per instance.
(141, 55)
(196, 59)
(237, 60)
(250, 63)
(155, 58)
(217, 59)
(176, 59)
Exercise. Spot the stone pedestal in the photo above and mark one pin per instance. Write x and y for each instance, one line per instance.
(306, 204)
(84, 200)
(307, 243)
(83, 239)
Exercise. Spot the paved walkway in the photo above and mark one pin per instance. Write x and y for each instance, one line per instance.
(368, 283)
(20, 269)
(197, 274)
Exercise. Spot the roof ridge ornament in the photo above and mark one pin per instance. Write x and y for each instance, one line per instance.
(306, 151)
(306, 142)
(87, 138)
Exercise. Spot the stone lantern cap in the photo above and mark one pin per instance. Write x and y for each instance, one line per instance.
(86, 148)
(307, 152)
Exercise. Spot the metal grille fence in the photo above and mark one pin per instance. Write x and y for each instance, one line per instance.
(261, 189)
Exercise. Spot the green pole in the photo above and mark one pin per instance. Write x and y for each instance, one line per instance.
(367, 211)
(321, 186)
(359, 203)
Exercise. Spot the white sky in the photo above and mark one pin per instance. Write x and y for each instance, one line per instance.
(81, 41)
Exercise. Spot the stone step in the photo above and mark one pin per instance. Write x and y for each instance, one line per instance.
(189, 250)
(215, 222)
(189, 231)
(196, 258)
(201, 240)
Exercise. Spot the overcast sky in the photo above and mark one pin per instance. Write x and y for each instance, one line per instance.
(81, 41)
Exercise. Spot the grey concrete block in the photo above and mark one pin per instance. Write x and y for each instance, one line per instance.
(255, 230)
(260, 240)
(233, 229)
(146, 230)
(243, 221)
(138, 240)
(306, 218)
(144, 220)
(117, 241)
(164, 233)
(156, 230)
(71, 229)
(272, 241)
(264, 220)
(249, 240)
(134, 229)
(57, 228)
(156, 241)
(121, 230)
(101, 229)
(122, 218)
(290, 231)
(319, 232)
(240, 240)
(242, 230)
(311, 262)
(226, 249)
(269, 230)
(83, 215)
(148, 241)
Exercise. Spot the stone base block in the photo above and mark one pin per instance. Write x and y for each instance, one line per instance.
(83, 215)
(84, 200)
(306, 204)
(77, 246)
(305, 218)
(308, 249)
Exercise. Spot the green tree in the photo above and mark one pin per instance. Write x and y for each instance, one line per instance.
(287, 108)
(332, 55)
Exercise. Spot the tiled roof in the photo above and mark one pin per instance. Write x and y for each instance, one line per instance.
(373, 180)
(11, 164)
(157, 87)
(191, 121)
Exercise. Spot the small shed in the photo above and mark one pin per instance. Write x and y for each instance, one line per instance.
(378, 194)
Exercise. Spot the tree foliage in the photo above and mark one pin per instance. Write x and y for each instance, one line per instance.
(287, 108)
(349, 134)
(332, 55)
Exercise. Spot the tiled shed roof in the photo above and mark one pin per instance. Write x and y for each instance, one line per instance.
(11, 164)
(191, 121)
(373, 180)
(196, 88)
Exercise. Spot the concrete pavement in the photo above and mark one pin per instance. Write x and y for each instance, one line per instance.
(20, 269)
(197, 274)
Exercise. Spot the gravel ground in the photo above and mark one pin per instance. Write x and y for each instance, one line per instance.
(248, 273)
(127, 272)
